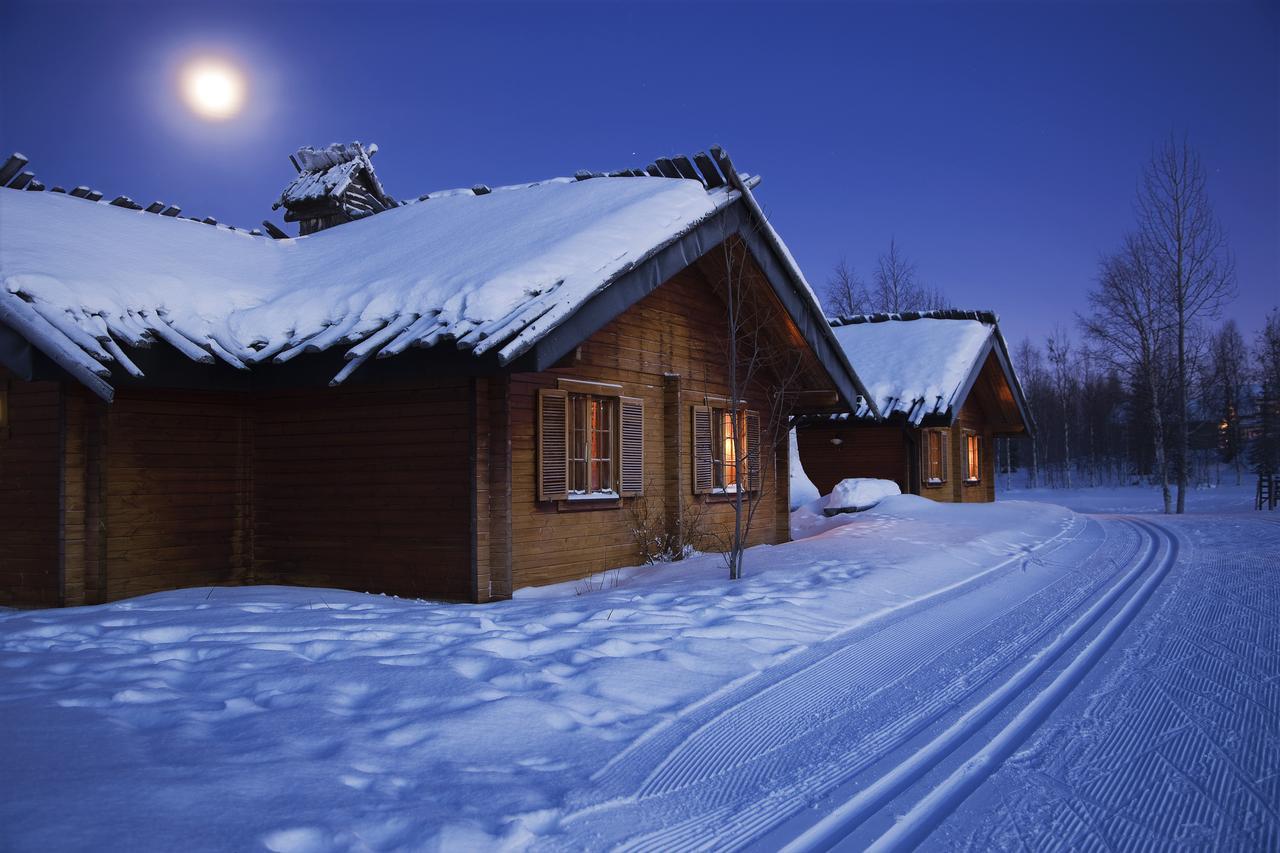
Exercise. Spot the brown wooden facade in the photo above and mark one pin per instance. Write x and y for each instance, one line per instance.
(426, 487)
(834, 450)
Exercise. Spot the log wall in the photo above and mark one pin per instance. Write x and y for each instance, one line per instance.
(366, 489)
(30, 485)
(176, 489)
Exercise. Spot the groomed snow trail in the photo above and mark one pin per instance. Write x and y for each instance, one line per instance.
(1177, 744)
(731, 769)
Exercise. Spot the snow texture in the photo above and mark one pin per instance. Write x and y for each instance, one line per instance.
(803, 490)
(859, 493)
(916, 367)
(491, 272)
(574, 716)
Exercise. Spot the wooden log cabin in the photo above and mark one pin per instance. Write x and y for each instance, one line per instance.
(942, 390)
(449, 398)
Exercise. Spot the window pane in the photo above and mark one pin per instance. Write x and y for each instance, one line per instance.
(730, 452)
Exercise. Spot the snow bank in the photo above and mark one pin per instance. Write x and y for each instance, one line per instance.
(294, 718)
(803, 490)
(859, 493)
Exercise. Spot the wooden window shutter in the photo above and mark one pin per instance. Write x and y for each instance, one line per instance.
(631, 450)
(553, 445)
(944, 454)
(754, 451)
(703, 477)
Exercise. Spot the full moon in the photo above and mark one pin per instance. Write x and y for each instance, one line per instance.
(213, 89)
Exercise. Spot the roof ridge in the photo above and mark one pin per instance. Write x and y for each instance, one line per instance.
(981, 315)
(711, 170)
(12, 176)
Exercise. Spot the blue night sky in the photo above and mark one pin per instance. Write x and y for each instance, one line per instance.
(1000, 144)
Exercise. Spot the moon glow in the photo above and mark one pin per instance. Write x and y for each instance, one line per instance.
(213, 89)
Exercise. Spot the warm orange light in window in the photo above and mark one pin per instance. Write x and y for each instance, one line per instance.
(730, 451)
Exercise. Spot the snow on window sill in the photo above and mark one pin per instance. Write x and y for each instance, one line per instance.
(727, 490)
(593, 496)
(934, 483)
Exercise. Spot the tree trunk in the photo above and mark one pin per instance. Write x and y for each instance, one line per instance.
(1161, 464)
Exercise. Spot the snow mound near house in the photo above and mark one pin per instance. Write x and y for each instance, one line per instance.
(859, 493)
(803, 490)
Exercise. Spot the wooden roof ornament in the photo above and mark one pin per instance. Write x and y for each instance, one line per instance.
(512, 277)
(335, 184)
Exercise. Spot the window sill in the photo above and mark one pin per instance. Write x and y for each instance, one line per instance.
(973, 482)
(720, 496)
(593, 496)
(934, 484)
(587, 503)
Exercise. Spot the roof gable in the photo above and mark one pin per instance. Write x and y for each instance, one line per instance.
(925, 364)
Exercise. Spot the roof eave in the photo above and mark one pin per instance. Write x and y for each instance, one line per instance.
(626, 289)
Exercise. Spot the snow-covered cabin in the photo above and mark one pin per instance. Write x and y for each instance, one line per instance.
(453, 397)
(941, 390)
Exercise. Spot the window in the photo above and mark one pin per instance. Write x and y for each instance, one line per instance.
(592, 438)
(973, 457)
(725, 459)
(590, 442)
(724, 449)
(935, 456)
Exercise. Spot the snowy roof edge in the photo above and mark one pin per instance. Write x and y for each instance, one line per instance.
(87, 345)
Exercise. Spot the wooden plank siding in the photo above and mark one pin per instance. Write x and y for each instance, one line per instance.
(676, 331)
(366, 489)
(175, 495)
(864, 450)
(30, 486)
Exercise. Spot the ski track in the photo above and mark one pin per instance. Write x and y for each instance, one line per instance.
(1179, 747)
(727, 772)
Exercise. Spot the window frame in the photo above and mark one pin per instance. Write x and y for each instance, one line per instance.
(610, 404)
(722, 416)
(972, 457)
(942, 436)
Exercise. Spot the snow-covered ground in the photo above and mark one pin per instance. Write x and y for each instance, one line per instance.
(982, 676)
(1227, 497)
(301, 719)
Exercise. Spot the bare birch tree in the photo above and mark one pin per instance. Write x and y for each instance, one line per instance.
(1059, 351)
(897, 286)
(845, 293)
(1131, 328)
(1187, 248)
(755, 353)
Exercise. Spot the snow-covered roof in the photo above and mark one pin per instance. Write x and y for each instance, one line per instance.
(917, 364)
(491, 271)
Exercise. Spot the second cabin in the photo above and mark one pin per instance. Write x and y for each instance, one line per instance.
(945, 390)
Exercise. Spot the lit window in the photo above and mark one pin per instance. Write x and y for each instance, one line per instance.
(972, 457)
(592, 436)
(935, 456)
(726, 458)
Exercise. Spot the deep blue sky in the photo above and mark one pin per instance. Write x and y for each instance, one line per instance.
(999, 143)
